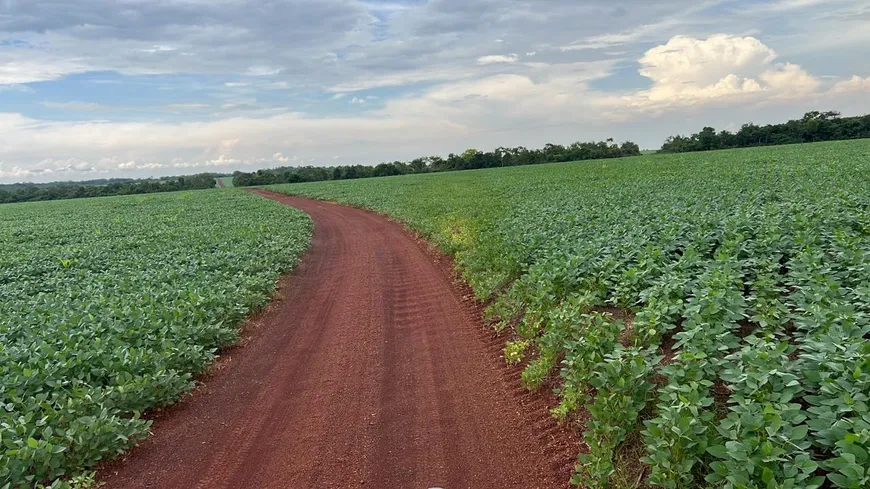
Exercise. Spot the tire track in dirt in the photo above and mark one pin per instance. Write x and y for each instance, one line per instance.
(370, 370)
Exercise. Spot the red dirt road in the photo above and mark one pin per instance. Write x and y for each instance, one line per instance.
(369, 371)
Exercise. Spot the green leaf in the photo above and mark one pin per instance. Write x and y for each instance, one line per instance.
(718, 451)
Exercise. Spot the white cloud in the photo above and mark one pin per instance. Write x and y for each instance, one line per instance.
(635, 34)
(49, 168)
(705, 61)
(790, 79)
(17, 71)
(63, 166)
(688, 70)
(507, 102)
(241, 142)
(263, 71)
(157, 48)
(497, 58)
(280, 158)
(854, 84)
(786, 5)
(500, 87)
(75, 105)
(187, 106)
(390, 79)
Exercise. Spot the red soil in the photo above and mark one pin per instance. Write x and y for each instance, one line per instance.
(371, 369)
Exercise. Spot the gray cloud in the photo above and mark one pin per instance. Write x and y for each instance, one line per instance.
(471, 73)
(311, 42)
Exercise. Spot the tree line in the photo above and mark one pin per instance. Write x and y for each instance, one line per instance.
(70, 190)
(98, 181)
(813, 127)
(469, 160)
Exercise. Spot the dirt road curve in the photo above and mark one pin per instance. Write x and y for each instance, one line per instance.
(370, 371)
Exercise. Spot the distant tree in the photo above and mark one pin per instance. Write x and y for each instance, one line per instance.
(417, 165)
(469, 154)
(707, 139)
(630, 149)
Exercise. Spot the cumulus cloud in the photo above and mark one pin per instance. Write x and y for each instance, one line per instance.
(703, 62)
(280, 158)
(789, 79)
(854, 84)
(688, 70)
(49, 168)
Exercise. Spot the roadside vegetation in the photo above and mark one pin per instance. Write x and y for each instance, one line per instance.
(110, 307)
(703, 317)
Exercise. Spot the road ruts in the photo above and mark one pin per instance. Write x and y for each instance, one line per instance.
(368, 371)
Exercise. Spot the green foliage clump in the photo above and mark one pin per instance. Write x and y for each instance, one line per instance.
(110, 306)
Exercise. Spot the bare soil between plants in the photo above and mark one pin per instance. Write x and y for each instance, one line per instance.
(372, 368)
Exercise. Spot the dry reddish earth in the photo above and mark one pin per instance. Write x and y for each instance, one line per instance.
(371, 369)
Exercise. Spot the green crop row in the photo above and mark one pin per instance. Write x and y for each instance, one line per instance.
(110, 306)
(712, 307)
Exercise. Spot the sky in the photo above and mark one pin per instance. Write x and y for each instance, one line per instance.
(131, 88)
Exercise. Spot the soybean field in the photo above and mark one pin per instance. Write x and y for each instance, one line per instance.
(110, 306)
(703, 317)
